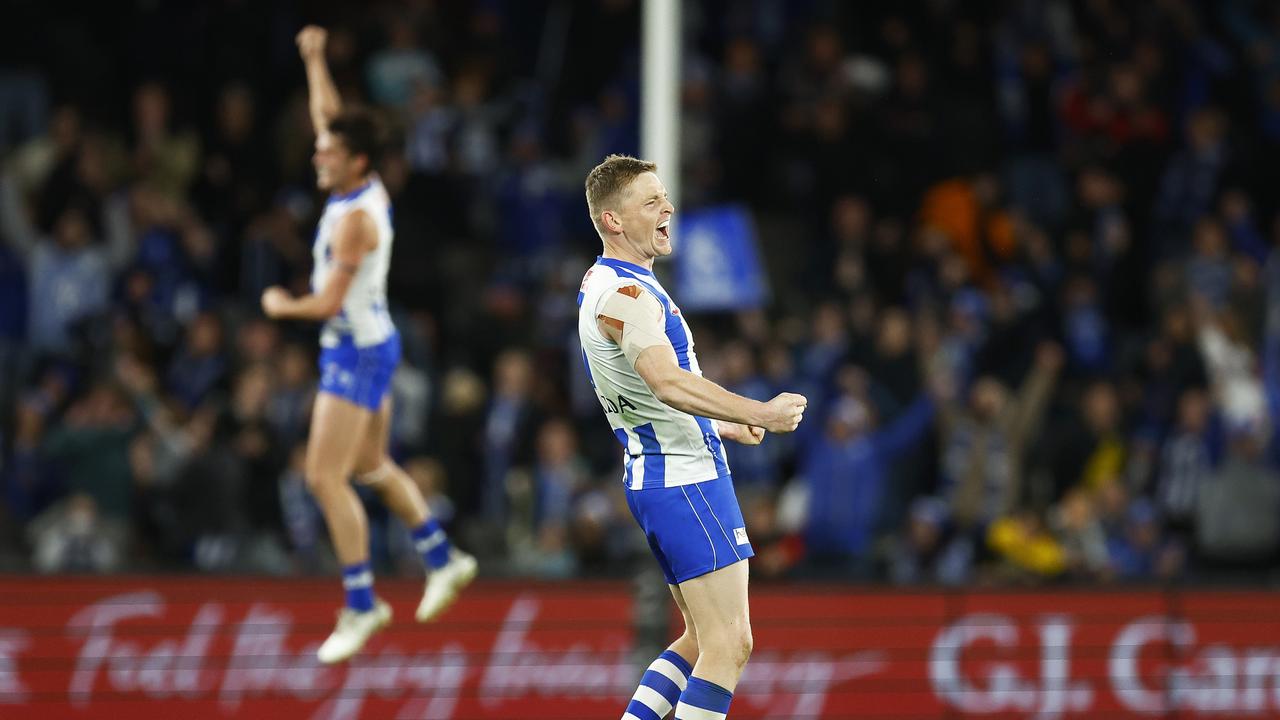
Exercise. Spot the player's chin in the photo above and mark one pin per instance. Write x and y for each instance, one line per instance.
(662, 246)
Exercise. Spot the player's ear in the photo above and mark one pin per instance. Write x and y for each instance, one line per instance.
(610, 221)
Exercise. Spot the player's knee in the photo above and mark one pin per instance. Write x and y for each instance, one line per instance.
(373, 472)
(321, 482)
(734, 645)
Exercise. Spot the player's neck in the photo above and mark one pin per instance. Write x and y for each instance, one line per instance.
(616, 253)
(353, 185)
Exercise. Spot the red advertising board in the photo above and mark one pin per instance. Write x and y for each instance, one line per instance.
(194, 648)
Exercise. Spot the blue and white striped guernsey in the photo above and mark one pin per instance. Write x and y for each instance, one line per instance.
(364, 316)
(664, 446)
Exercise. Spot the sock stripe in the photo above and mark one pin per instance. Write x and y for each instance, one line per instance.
(362, 579)
(629, 716)
(651, 699)
(357, 582)
(703, 700)
(684, 711)
(667, 671)
(662, 685)
(681, 664)
(432, 543)
(427, 543)
(640, 711)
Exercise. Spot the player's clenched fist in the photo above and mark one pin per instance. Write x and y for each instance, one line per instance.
(311, 41)
(273, 301)
(784, 412)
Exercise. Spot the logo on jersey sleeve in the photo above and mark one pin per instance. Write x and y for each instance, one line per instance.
(740, 535)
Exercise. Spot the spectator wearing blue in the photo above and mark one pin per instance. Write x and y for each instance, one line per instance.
(68, 272)
(201, 365)
(927, 551)
(508, 429)
(1208, 270)
(752, 464)
(845, 471)
(1190, 180)
(1086, 327)
(1139, 552)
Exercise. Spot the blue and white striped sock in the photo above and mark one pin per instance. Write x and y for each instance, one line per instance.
(660, 688)
(432, 544)
(357, 580)
(703, 700)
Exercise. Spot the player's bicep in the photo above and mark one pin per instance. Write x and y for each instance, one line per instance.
(633, 318)
(353, 237)
(657, 366)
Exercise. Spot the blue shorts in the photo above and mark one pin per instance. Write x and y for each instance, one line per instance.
(359, 374)
(692, 529)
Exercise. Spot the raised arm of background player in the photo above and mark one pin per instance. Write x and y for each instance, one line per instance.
(322, 94)
(355, 234)
(633, 318)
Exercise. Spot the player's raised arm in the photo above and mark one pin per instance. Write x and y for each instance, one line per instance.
(354, 236)
(323, 97)
(633, 318)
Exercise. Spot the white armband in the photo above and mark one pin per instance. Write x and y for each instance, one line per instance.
(640, 317)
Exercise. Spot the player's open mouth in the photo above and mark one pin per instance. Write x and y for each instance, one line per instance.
(664, 230)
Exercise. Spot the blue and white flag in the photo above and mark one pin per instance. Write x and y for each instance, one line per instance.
(717, 263)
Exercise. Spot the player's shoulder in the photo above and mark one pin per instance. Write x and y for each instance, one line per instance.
(601, 280)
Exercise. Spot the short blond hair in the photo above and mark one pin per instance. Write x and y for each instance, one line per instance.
(607, 181)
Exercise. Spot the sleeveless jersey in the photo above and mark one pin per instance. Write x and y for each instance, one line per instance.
(364, 317)
(664, 446)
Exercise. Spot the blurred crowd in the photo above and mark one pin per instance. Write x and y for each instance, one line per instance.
(1021, 260)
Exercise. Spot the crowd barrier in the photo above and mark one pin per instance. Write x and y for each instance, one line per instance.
(190, 648)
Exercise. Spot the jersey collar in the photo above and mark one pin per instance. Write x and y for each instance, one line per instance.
(623, 264)
(343, 197)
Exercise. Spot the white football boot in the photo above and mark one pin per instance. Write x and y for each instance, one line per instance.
(353, 630)
(444, 584)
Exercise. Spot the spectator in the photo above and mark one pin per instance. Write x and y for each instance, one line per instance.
(1187, 462)
(1138, 552)
(71, 537)
(1027, 550)
(200, 366)
(1082, 536)
(1092, 451)
(1191, 179)
(1238, 510)
(985, 443)
(69, 271)
(92, 448)
(508, 429)
(396, 72)
(927, 551)
(845, 472)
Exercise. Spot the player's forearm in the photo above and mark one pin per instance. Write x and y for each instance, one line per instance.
(309, 307)
(697, 395)
(325, 103)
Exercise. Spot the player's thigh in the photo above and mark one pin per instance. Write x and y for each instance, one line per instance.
(717, 603)
(376, 439)
(332, 447)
